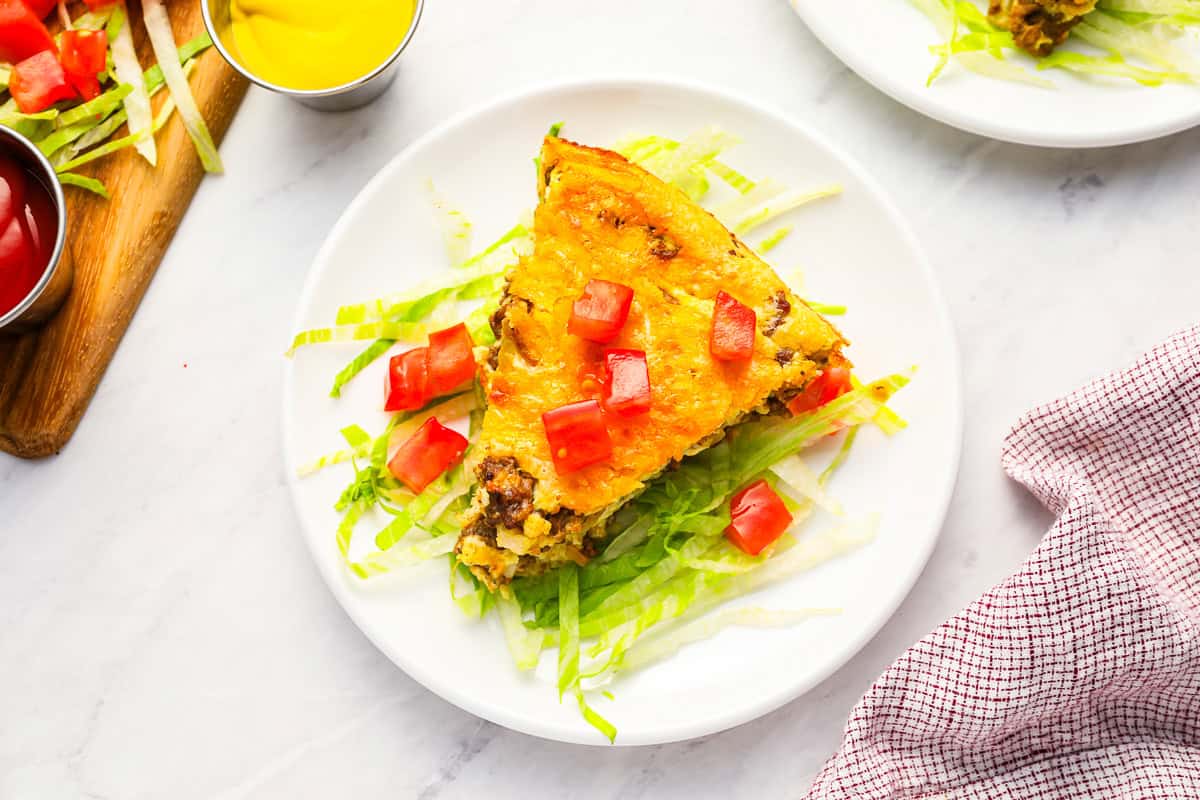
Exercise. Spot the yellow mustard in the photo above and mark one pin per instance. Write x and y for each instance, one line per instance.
(315, 44)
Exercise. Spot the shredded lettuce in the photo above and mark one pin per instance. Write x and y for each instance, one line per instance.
(360, 362)
(664, 644)
(568, 649)
(568, 628)
(83, 118)
(524, 644)
(128, 71)
(781, 205)
(1123, 29)
(411, 316)
(772, 241)
(455, 227)
(162, 39)
(1120, 38)
(360, 447)
(93, 123)
(83, 182)
(1113, 66)
(826, 309)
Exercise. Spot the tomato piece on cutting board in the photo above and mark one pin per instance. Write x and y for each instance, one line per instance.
(758, 518)
(41, 8)
(84, 55)
(22, 33)
(39, 82)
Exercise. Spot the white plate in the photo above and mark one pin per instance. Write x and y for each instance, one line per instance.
(854, 249)
(887, 43)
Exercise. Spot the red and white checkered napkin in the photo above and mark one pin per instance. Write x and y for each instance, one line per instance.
(1079, 676)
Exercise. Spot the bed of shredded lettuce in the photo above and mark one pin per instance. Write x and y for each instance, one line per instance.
(1150, 42)
(73, 135)
(666, 571)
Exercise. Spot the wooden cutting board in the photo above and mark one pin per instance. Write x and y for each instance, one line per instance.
(47, 377)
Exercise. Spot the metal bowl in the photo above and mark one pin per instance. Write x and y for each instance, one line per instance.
(55, 284)
(357, 93)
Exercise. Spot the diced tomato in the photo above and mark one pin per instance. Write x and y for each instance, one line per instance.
(406, 387)
(41, 8)
(758, 518)
(626, 382)
(39, 82)
(825, 388)
(426, 454)
(84, 52)
(85, 86)
(84, 55)
(577, 435)
(96, 4)
(22, 33)
(450, 360)
(734, 326)
(600, 313)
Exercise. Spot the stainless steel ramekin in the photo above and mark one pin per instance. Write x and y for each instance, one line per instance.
(55, 284)
(357, 93)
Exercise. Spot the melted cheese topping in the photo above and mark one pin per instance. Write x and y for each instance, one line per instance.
(602, 217)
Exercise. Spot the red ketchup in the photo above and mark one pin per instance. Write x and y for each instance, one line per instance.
(28, 229)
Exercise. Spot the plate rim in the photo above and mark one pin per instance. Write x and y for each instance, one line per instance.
(924, 102)
(770, 700)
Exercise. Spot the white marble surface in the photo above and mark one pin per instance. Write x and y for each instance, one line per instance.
(162, 630)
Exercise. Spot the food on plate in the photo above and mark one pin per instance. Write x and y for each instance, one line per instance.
(1148, 41)
(311, 44)
(647, 270)
(1038, 26)
(28, 229)
(72, 92)
(613, 420)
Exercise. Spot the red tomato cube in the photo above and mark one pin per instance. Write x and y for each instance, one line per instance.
(758, 518)
(39, 82)
(578, 436)
(626, 382)
(406, 386)
(600, 313)
(733, 329)
(824, 388)
(84, 53)
(426, 454)
(450, 360)
(22, 33)
(41, 8)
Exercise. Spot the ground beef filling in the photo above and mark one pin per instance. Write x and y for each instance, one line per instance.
(781, 307)
(1038, 26)
(509, 489)
(510, 503)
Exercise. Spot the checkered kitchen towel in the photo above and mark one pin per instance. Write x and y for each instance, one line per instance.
(1079, 676)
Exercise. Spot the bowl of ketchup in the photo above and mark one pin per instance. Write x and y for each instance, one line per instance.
(35, 271)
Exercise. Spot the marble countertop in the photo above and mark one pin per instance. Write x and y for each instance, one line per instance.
(163, 632)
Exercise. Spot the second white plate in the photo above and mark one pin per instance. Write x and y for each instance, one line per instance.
(854, 249)
(887, 43)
